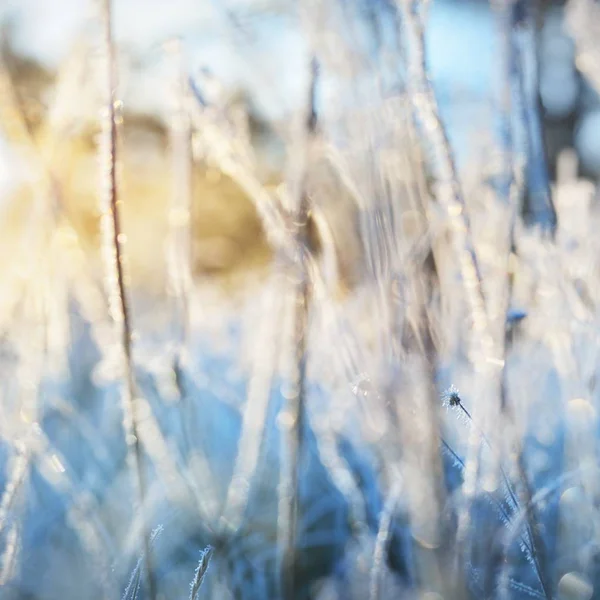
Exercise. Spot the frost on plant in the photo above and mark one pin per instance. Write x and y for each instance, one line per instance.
(245, 245)
(451, 397)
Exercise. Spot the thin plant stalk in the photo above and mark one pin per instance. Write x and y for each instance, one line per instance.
(509, 188)
(9, 559)
(292, 427)
(507, 202)
(50, 211)
(18, 475)
(511, 20)
(540, 209)
(346, 361)
(536, 499)
(180, 240)
(254, 417)
(233, 157)
(512, 526)
(113, 246)
(451, 193)
(133, 588)
(292, 417)
(382, 541)
(531, 519)
(200, 573)
(483, 350)
(18, 472)
(535, 545)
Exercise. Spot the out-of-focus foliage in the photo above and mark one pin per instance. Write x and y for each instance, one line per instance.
(238, 428)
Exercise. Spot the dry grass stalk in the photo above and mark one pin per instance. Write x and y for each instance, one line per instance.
(292, 418)
(113, 246)
(483, 348)
(180, 241)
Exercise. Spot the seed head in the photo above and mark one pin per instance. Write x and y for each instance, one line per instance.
(451, 397)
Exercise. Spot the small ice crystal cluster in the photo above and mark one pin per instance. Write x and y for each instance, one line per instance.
(451, 397)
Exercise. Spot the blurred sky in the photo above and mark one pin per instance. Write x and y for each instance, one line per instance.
(267, 54)
(460, 34)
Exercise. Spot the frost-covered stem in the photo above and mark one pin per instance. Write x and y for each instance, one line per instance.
(133, 587)
(113, 242)
(487, 442)
(540, 209)
(180, 241)
(292, 417)
(507, 78)
(538, 549)
(292, 427)
(450, 190)
(527, 543)
(201, 569)
(458, 461)
(17, 473)
(10, 554)
(512, 169)
(540, 496)
(482, 347)
(254, 417)
(535, 546)
(382, 540)
(231, 156)
(512, 15)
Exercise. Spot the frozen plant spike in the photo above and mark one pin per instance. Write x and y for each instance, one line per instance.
(451, 397)
(117, 290)
(133, 587)
(201, 569)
